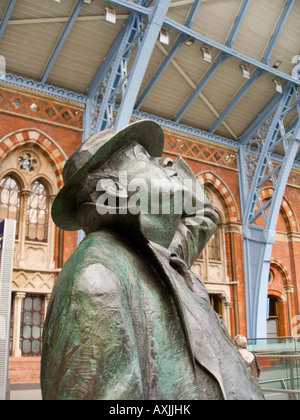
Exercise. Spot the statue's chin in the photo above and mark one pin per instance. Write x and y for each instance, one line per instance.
(191, 237)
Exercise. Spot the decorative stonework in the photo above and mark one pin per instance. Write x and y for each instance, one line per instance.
(294, 179)
(35, 138)
(230, 205)
(32, 281)
(28, 162)
(44, 88)
(203, 152)
(41, 109)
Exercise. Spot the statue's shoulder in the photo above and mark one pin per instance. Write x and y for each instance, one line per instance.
(103, 247)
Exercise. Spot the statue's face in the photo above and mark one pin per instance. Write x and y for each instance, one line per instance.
(165, 193)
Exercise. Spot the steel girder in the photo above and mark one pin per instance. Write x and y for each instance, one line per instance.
(7, 16)
(182, 38)
(113, 81)
(260, 212)
(259, 73)
(62, 40)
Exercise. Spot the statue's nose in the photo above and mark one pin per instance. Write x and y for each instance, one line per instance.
(167, 163)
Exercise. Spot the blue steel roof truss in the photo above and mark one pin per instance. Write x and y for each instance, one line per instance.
(258, 171)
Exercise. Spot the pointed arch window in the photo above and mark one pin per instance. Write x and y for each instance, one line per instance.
(10, 200)
(214, 246)
(213, 250)
(37, 213)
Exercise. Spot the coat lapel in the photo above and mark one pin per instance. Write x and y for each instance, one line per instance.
(196, 332)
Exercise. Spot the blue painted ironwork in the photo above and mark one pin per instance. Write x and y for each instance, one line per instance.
(161, 70)
(7, 16)
(258, 122)
(222, 57)
(33, 85)
(238, 22)
(182, 38)
(260, 214)
(170, 23)
(107, 82)
(283, 18)
(236, 100)
(258, 73)
(215, 67)
(187, 130)
(105, 72)
(113, 82)
(117, 79)
(139, 68)
(62, 40)
(233, 53)
(138, 7)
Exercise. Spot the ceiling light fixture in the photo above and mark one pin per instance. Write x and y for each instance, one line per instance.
(110, 15)
(278, 85)
(277, 64)
(189, 42)
(164, 37)
(245, 70)
(2, 67)
(206, 53)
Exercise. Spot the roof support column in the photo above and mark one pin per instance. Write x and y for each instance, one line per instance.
(113, 81)
(260, 212)
(7, 16)
(141, 62)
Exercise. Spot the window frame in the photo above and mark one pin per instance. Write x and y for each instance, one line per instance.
(13, 177)
(28, 237)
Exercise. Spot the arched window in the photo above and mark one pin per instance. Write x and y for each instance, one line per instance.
(216, 303)
(273, 318)
(10, 200)
(214, 246)
(37, 213)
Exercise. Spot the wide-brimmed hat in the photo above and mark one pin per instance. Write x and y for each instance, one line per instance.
(93, 154)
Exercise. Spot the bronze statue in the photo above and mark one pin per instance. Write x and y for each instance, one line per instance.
(127, 318)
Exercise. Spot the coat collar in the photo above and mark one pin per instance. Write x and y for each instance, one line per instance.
(180, 283)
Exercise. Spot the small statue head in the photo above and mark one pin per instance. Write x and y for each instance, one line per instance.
(119, 180)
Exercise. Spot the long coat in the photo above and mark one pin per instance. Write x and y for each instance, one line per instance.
(137, 324)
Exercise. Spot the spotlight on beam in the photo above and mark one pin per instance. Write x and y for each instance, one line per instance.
(245, 70)
(278, 85)
(164, 37)
(110, 15)
(206, 54)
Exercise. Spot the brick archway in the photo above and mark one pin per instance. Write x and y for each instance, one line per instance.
(224, 192)
(48, 146)
(278, 265)
(286, 210)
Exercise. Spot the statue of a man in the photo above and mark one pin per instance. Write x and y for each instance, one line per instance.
(127, 318)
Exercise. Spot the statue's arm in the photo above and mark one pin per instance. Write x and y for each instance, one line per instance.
(90, 349)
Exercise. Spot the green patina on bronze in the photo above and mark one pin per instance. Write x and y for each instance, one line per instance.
(127, 318)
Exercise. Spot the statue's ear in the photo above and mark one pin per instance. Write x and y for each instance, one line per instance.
(112, 197)
(112, 188)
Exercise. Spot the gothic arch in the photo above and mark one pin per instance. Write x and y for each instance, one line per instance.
(286, 210)
(277, 265)
(232, 213)
(48, 146)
